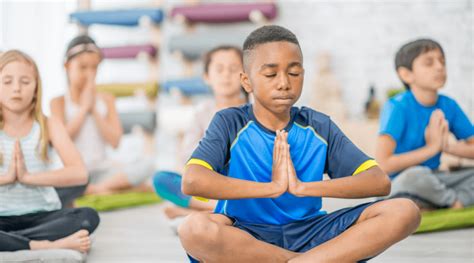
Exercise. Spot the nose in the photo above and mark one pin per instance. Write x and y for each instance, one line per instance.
(283, 82)
(16, 86)
(227, 72)
(439, 65)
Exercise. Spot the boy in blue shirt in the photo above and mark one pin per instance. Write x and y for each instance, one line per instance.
(270, 193)
(414, 132)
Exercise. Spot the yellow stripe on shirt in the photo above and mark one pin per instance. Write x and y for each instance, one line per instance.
(365, 166)
(200, 162)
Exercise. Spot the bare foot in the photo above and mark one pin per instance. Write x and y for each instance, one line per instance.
(457, 205)
(145, 188)
(94, 189)
(79, 241)
(176, 211)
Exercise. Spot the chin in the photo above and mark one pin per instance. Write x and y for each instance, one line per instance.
(434, 87)
(281, 108)
(17, 109)
(438, 86)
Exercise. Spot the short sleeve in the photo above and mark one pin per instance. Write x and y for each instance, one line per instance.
(213, 149)
(392, 121)
(344, 158)
(459, 124)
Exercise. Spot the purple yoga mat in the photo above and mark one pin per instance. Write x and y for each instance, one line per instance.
(224, 12)
(128, 51)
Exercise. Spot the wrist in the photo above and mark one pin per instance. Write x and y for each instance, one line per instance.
(275, 189)
(8, 179)
(298, 189)
(448, 148)
(432, 149)
(25, 179)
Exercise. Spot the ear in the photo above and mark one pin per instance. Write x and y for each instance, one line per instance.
(405, 74)
(245, 82)
(206, 78)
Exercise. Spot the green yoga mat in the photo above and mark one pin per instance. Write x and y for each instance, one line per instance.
(117, 201)
(446, 219)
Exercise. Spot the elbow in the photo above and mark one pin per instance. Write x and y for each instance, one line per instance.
(385, 185)
(115, 142)
(188, 184)
(82, 176)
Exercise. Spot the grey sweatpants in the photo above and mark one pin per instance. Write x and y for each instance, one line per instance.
(435, 189)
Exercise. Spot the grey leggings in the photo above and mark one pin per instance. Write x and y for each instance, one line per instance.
(435, 189)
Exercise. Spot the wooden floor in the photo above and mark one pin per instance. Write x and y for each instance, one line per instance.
(143, 235)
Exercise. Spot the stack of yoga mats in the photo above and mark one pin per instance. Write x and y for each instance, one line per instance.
(192, 45)
(148, 17)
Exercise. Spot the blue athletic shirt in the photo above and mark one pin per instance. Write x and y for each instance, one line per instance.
(237, 145)
(404, 119)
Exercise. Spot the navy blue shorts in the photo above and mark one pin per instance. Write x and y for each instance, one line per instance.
(301, 236)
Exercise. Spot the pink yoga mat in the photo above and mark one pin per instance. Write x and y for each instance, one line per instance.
(224, 12)
(128, 51)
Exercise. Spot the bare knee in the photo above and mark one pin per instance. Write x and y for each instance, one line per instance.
(405, 214)
(198, 230)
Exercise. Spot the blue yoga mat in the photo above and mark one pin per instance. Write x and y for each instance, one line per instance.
(188, 86)
(117, 17)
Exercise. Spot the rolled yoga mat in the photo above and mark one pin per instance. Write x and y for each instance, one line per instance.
(446, 219)
(131, 51)
(131, 17)
(144, 119)
(129, 89)
(188, 87)
(117, 201)
(193, 46)
(224, 12)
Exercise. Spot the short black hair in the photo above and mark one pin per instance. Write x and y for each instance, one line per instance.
(267, 34)
(411, 50)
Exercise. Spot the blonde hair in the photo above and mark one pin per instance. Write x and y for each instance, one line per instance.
(36, 109)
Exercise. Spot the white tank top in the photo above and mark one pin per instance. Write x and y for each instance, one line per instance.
(20, 199)
(88, 140)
